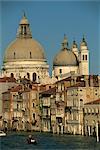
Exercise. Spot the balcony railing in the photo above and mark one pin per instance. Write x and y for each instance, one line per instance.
(72, 122)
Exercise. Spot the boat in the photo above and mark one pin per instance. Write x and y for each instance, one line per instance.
(2, 133)
(31, 140)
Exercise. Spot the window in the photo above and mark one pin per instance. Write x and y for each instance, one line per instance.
(60, 95)
(28, 75)
(25, 30)
(34, 115)
(59, 119)
(14, 55)
(34, 76)
(21, 29)
(30, 55)
(83, 57)
(33, 104)
(60, 70)
(12, 75)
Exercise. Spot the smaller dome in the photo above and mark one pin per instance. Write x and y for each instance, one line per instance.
(65, 58)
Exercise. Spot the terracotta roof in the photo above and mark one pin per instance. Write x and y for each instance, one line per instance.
(7, 79)
(65, 79)
(50, 91)
(79, 84)
(94, 102)
(13, 89)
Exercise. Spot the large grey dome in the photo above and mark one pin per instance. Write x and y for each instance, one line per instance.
(24, 49)
(65, 58)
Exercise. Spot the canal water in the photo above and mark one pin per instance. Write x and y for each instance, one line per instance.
(47, 141)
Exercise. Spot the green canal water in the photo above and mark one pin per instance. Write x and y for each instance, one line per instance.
(47, 141)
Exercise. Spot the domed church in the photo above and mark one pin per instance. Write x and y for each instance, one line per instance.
(25, 57)
(71, 60)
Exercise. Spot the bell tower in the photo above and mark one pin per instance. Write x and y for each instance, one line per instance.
(84, 58)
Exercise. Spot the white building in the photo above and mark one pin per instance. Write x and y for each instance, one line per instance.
(71, 60)
(25, 57)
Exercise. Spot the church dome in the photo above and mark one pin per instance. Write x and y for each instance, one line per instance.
(24, 47)
(65, 57)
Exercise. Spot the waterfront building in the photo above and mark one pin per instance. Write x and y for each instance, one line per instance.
(21, 108)
(40, 102)
(92, 117)
(74, 92)
(5, 84)
(12, 108)
(45, 106)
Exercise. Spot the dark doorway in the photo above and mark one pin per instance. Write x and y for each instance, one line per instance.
(12, 75)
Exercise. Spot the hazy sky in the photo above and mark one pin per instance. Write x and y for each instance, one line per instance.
(49, 21)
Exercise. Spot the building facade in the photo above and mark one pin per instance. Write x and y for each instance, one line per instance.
(92, 118)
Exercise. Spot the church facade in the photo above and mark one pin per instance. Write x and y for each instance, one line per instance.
(25, 57)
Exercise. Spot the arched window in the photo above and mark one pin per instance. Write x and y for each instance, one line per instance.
(28, 75)
(60, 71)
(21, 29)
(34, 76)
(30, 55)
(83, 57)
(12, 75)
(24, 29)
(14, 55)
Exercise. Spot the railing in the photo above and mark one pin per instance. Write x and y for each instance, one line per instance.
(72, 121)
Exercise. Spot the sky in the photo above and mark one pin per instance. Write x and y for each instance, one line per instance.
(49, 21)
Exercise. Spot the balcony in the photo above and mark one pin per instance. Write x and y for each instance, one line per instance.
(60, 115)
(46, 105)
(75, 108)
(72, 122)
